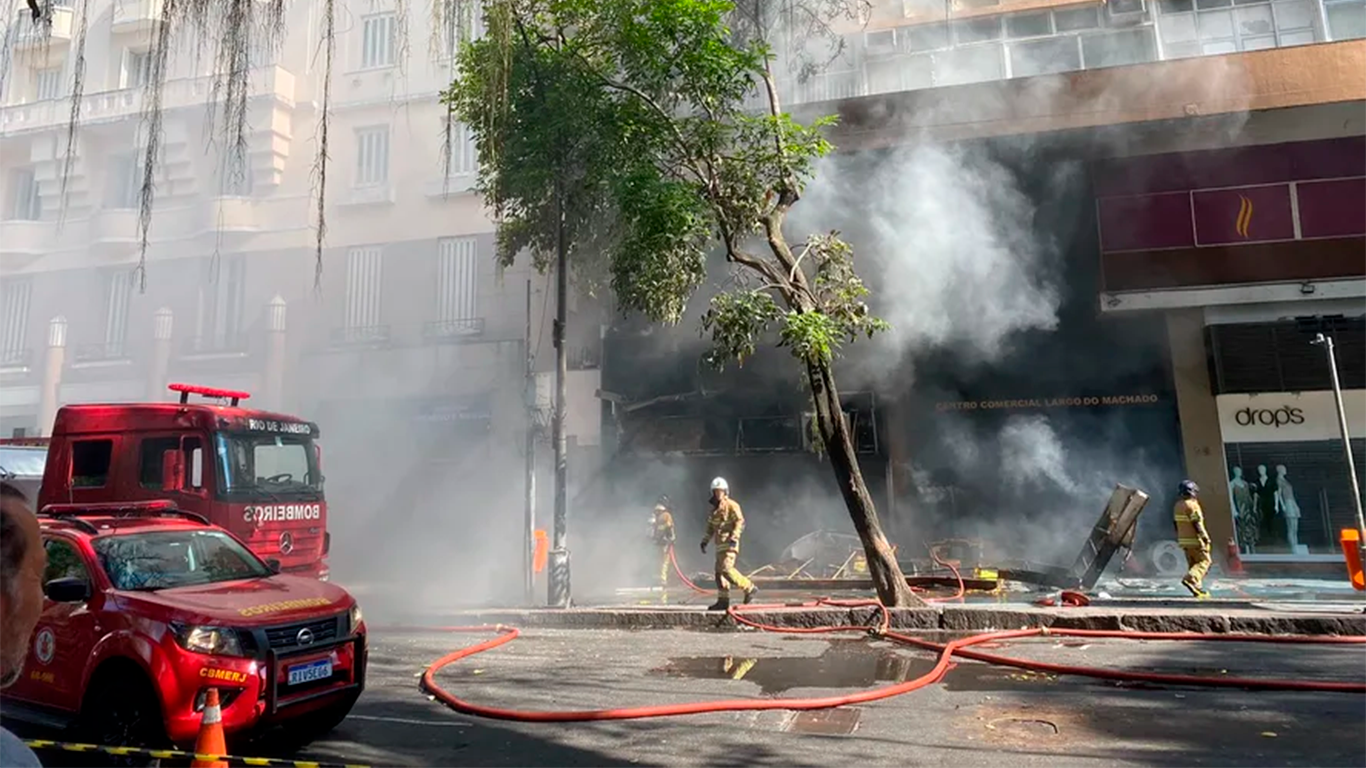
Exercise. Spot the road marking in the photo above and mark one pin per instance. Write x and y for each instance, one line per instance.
(407, 721)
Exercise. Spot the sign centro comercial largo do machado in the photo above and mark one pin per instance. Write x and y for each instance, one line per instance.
(1283, 417)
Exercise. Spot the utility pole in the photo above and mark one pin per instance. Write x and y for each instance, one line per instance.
(559, 551)
(529, 543)
(1327, 343)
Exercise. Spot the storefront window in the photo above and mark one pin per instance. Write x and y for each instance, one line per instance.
(1288, 485)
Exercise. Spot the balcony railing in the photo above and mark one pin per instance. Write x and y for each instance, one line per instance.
(437, 331)
(360, 336)
(100, 353)
(15, 358)
(226, 344)
(1066, 39)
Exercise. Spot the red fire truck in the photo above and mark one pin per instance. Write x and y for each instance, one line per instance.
(257, 474)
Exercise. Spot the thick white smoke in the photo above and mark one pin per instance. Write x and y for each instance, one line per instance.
(949, 242)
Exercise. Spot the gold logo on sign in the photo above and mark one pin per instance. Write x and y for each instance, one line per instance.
(1244, 220)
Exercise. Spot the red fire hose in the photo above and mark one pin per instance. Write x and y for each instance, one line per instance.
(946, 651)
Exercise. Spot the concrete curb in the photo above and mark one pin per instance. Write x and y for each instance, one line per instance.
(953, 618)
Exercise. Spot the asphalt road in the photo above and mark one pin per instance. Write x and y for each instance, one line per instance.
(978, 715)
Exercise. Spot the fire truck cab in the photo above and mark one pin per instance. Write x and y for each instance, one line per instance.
(257, 474)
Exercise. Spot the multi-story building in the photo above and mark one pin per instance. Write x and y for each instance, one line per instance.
(1219, 214)
(407, 343)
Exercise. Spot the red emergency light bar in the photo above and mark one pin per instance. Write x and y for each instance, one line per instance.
(186, 390)
(116, 508)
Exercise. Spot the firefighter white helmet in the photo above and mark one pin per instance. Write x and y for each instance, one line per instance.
(719, 484)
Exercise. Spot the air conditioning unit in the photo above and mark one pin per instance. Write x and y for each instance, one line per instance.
(1122, 12)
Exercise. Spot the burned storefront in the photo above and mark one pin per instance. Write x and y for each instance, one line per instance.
(1014, 440)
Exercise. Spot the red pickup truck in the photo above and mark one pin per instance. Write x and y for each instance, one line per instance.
(149, 606)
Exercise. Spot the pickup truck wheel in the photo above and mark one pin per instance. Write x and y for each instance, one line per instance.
(122, 710)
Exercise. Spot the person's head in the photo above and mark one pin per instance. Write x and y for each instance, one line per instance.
(660, 509)
(1189, 489)
(1237, 472)
(1280, 470)
(719, 489)
(22, 561)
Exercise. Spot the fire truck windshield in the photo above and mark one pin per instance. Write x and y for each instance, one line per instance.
(255, 465)
(162, 559)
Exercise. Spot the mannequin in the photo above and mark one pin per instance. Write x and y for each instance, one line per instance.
(1289, 509)
(1265, 494)
(1244, 511)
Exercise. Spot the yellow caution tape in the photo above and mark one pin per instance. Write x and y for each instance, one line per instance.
(171, 754)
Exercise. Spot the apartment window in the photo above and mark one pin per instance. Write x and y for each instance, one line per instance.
(17, 293)
(26, 204)
(1046, 56)
(123, 180)
(1117, 49)
(464, 21)
(377, 41)
(364, 281)
(47, 84)
(119, 295)
(1029, 25)
(462, 150)
(457, 281)
(235, 178)
(1346, 19)
(1212, 27)
(137, 68)
(372, 156)
(980, 30)
(222, 303)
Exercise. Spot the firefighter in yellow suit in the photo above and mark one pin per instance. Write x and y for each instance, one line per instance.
(724, 525)
(662, 531)
(1193, 538)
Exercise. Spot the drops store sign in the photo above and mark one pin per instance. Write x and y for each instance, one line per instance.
(1282, 417)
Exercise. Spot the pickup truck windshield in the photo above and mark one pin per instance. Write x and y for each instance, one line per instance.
(161, 559)
(265, 464)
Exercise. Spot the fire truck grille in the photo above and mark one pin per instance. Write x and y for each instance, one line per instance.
(323, 631)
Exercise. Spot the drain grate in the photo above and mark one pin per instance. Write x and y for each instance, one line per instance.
(825, 722)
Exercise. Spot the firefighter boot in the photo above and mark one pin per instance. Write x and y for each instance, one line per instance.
(749, 594)
(1196, 590)
(721, 604)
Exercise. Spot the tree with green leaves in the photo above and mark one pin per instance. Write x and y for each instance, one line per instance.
(642, 136)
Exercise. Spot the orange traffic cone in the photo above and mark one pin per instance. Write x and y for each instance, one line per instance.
(210, 746)
(1235, 563)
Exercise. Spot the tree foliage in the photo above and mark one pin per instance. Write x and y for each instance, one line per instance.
(644, 135)
(635, 121)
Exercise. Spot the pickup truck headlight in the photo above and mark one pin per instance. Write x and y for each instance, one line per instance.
(215, 641)
(356, 617)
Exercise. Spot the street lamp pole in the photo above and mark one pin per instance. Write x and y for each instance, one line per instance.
(1327, 343)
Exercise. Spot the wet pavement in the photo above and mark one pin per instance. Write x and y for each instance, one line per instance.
(978, 716)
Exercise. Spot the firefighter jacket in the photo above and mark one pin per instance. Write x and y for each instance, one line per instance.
(725, 525)
(1190, 525)
(663, 528)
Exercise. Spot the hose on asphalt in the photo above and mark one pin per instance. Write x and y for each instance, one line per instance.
(946, 651)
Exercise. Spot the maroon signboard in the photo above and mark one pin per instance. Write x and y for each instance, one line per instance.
(1273, 213)
(1334, 208)
(1243, 215)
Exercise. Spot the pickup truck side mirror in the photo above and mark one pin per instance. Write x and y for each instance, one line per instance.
(173, 470)
(67, 590)
(273, 565)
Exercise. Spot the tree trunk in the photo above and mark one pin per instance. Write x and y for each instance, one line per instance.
(888, 580)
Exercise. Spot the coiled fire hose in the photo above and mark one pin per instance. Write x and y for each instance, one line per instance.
(960, 647)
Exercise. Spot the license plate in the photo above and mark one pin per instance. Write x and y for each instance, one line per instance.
(313, 670)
